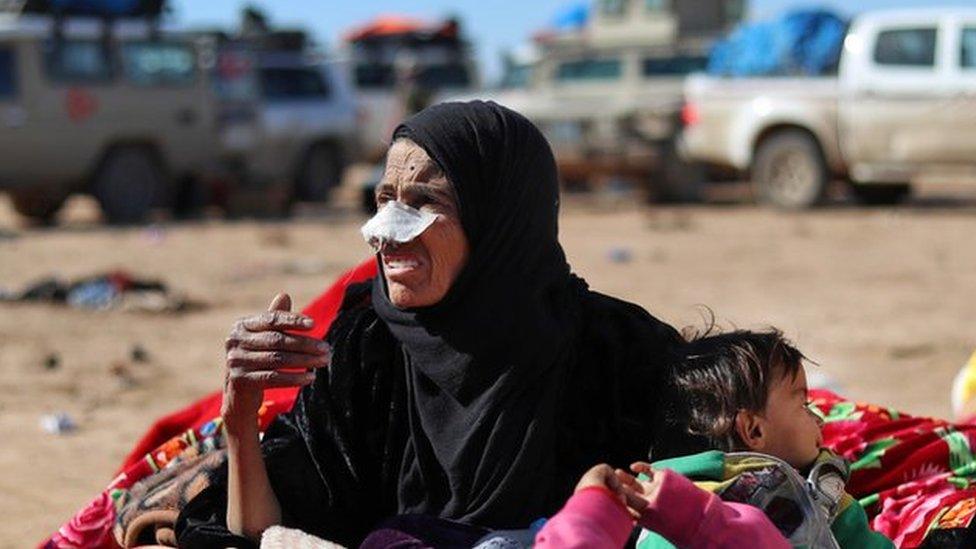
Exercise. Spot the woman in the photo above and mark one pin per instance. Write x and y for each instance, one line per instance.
(475, 380)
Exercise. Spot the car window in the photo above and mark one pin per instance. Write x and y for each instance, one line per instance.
(589, 69)
(292, 83)
(656, 5)
(373, 76)
(673, 66)
(8, 73)
(967, 57)
(158, 63)
(517, 76)
(612, 7)
(913, 47)
(77, 61)
(453, 75)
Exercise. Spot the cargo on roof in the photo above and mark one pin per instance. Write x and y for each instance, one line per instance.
(389, 26)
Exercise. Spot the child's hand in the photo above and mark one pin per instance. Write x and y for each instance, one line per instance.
(638, 493)
(604, 476)
(599, 475)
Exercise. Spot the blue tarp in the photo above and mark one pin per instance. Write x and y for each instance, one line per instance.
(801, 42)
(117, 8)
(572, 17)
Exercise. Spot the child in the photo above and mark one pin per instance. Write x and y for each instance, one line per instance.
(736, 421)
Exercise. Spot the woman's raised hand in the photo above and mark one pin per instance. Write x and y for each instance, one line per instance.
(261, 354)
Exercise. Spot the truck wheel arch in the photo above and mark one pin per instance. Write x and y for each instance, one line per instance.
(788, 168)
(770, 130)
(119, 144)
(119, 205)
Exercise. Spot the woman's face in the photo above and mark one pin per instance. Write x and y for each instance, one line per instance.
(420, 272)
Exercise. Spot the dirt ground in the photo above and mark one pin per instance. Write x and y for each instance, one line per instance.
(883, 299)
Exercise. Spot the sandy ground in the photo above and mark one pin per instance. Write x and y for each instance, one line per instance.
(884, 300)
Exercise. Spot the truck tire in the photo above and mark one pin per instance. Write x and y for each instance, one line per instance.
(40, 205)
(789, 171)
(680, 181)
(128, 184)
(320, 171)
(881, 194)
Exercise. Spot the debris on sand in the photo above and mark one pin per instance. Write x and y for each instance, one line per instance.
(110, 290)
(52, 361)
(620, 254)
(58, 423)
(138, 353)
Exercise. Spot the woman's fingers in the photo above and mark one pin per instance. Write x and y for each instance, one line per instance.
(280, 302)
(242, 359)
(268, 379)
(280, 341)
(276, 320)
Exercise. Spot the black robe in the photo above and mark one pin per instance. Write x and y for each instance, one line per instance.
(486, 407)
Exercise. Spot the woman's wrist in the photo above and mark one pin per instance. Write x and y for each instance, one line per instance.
(238, 428)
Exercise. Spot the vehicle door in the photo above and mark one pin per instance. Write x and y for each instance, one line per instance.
(165, 98)
(960, 120)
(895, 107)
(72, 113)
(298, 107)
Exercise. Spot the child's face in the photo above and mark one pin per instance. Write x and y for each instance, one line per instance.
(792, 430)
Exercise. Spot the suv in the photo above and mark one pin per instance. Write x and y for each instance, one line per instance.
(284, 117)
(118, 110)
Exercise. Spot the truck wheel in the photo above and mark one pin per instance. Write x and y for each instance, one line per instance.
(320, 172)
(128, 184)
(680, 181)
(789, 171)
(40, 204)
(879, 194)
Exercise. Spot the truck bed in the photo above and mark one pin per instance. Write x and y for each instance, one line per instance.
(724, 111)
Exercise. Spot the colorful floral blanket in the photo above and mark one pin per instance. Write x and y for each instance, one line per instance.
(915, 476)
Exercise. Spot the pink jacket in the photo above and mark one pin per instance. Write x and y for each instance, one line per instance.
(684, 514)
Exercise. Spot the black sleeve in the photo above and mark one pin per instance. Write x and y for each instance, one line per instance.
(610, 407)
(333, 460)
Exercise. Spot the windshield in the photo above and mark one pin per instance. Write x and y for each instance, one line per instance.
(674, 66)
(282, 84)
(431, 77)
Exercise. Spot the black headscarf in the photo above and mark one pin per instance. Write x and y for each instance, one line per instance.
(483, 364)
(484, 408)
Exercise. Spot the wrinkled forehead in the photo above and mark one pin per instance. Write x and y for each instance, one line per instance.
(407, 162)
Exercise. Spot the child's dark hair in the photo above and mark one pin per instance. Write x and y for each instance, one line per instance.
(712, 378)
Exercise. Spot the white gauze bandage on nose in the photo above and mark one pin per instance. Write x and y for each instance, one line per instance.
(396, 223)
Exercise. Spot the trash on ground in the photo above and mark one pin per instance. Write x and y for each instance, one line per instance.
(154, 234)
(619, 254)
(58, 423)
(123, 374)
(138, 353)
(52, 361)
(110, 290)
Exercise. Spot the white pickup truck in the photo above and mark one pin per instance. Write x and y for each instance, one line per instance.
(901, 110)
